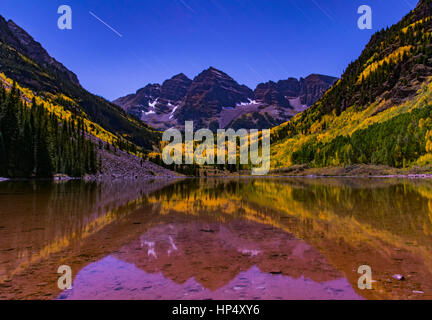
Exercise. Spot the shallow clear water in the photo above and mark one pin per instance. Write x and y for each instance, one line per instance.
(217, 239)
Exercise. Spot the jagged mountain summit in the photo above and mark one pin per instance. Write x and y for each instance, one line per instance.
(211, 92)
(215, 100)
(156, 104)
(284, 93)
(275, 103)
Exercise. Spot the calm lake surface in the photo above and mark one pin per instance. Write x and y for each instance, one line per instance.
(245, 238)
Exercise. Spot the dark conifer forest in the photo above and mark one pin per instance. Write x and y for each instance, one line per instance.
(36, 143)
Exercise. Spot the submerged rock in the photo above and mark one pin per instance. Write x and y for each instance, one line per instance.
(61, 177)
(399, 277)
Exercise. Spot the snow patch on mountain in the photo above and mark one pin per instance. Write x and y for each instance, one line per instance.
(172, 112)
(153, 104)
(246, 104)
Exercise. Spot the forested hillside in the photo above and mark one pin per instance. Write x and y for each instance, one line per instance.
(36, 143)
(379, 112)
(24, 60)
(50, 125)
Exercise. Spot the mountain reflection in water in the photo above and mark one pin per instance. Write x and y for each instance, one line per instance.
(217, 239)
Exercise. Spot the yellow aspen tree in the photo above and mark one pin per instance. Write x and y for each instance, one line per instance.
(429, 141)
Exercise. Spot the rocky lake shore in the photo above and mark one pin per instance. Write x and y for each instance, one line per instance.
(362, 170)
(122, 165)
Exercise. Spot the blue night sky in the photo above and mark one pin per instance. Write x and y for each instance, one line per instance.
(251, 40)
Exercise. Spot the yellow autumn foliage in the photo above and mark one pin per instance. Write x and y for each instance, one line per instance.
(395, 57)
(412, 25)
(330, 126)
(93, 128)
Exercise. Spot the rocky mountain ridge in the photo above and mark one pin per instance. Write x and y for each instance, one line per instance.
(215, 100)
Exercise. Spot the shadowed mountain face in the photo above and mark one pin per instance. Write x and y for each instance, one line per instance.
(215, 100)
(20, 40)
(276, 103)
(307, 90)
(211, 91)
(156, 104)
(155, 97)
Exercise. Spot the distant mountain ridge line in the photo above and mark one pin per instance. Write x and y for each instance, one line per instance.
(214, 99)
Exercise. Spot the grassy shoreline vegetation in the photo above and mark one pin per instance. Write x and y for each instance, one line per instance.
(357, 170)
